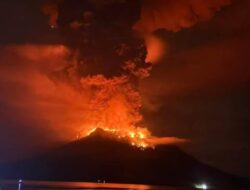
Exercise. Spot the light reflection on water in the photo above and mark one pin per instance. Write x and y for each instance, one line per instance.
(50, 185)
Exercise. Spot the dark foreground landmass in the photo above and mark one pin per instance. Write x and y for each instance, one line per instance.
(100, 157)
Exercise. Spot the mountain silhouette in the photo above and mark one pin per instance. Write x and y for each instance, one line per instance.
(100, 156)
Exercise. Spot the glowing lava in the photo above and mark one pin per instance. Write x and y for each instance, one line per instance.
(137, 137)
(114, 106)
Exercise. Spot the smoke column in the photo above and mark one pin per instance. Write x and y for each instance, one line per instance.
(92, 79)
(110, 60)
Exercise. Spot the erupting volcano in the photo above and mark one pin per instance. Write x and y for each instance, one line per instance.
(109, 63)
(111, 52)
(115, 108)
(101, 156)
(112, 90)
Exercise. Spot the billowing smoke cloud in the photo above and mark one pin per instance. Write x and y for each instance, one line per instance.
(35, 107)
(146, 17)
(32, 91)
(204, 60)
(175, 15)
(157, 49)
(76, 92)
(158, 14)
(221, 64)
(89, 28)
(64, 105)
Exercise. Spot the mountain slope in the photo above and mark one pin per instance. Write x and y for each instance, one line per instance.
(100, 156)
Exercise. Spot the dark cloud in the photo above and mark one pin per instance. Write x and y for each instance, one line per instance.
(201, 89)
(175, 15)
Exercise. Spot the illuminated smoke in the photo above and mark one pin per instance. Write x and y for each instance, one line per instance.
(174, 15)
(67, 106)
(171, 15)
(33, 93)
(156, 49)
(105, 64)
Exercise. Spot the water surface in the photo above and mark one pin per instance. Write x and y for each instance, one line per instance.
(51, 185)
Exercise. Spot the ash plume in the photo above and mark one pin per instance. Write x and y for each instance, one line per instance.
(111, 60)
(175, 15)
(99, 67)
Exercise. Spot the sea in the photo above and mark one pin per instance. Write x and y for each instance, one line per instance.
(56, 185)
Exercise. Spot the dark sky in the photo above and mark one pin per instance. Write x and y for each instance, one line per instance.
(200, 91)
(204, 89)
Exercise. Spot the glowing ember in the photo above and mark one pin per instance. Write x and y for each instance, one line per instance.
(138, 137)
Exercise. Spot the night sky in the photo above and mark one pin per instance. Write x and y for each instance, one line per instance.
(199, 90)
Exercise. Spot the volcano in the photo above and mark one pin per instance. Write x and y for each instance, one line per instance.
(101, 156)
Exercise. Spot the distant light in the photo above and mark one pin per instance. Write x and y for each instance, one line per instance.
(20, 184)
(201, 186)
(53, 26)
(204, 186)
